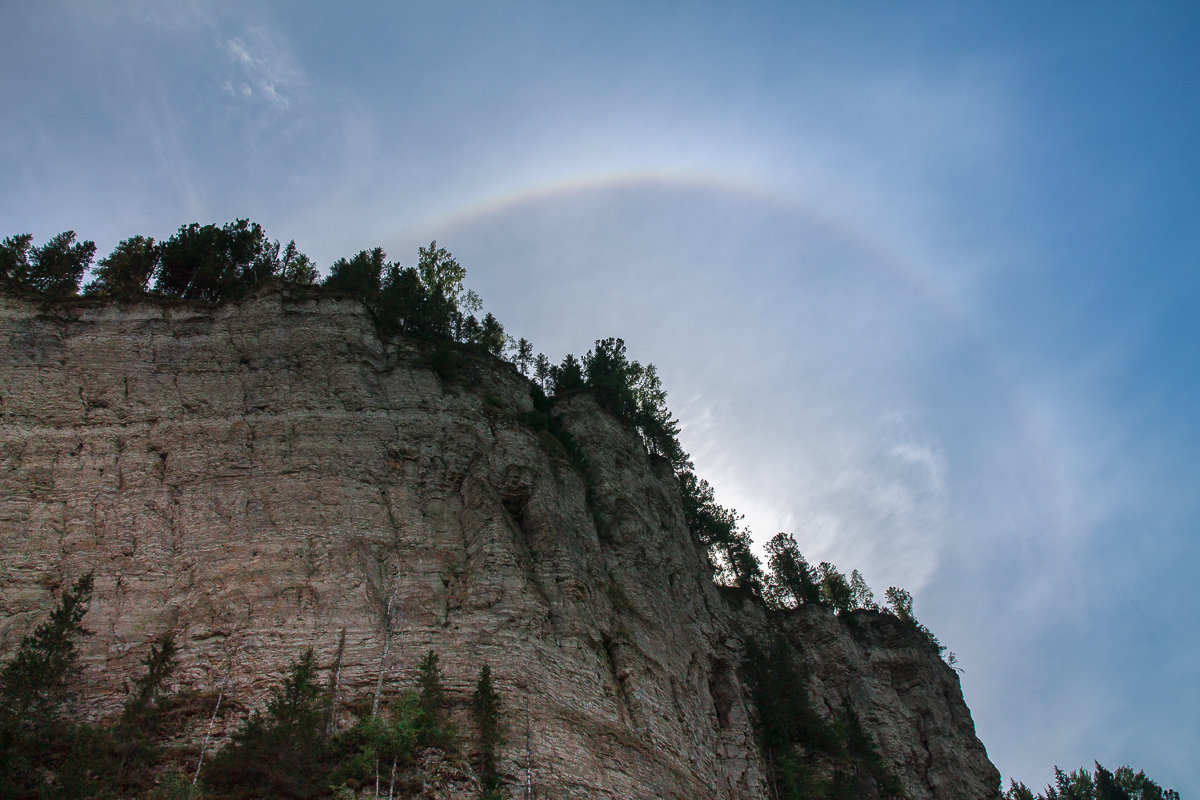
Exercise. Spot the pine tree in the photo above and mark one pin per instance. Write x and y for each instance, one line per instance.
(126, 271)
(485, 706)
(38, 680)
(41, 752)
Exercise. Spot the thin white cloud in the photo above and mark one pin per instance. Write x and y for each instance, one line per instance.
(264, 69)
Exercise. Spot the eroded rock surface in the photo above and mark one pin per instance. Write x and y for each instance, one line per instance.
(260, 476)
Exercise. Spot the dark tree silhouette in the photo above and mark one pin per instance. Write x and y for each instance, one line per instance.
(52, 270)
(126, 271)
(485, 707)
(790, 580)
(204, 262)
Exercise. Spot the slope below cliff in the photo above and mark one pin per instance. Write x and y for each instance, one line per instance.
(262, 475)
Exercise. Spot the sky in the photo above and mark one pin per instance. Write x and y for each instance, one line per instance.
(921, 279)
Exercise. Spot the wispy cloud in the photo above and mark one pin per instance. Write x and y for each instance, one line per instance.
(264, 69)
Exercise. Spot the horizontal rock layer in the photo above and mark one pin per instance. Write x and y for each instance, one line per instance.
(260, 476)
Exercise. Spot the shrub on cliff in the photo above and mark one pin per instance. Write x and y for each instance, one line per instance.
(790, 580)
(282, 752)
(428, 301)
(200, 262)
(809, 756)
(900, 604)
(376, 747)
(126, 271)
(42, 753)
(1120, 784)
(485, 707)
(39, 679)
(204, 262)
(716, 527)
(51, 271)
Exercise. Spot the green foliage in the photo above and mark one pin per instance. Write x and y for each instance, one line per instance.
(523, 355)
(490, 337)
(295, 267)
(59, 264)
(432, 693)
(131, 746)
(427, 301)
(448, 301)
(790, 580)
(361, 276)
(43, 754)
(796, 738)
(375, 747)
(444, 358)
(717, 528)
(435, 729)
(1101, 784)
(542, 370)
(174, 787)
(51, 271)
(1018, 791)
(542, 420)
(835, 589)
(567, 377)
(611, 377)
(900, 604)
(861, 749)
(632, 392)
(201, 262)
(149, 687)
(708, 520)
(204, 262)
(14, 261)
(861, 595)
(659, 429)
(485, 708)
(779, 689)
(284, 752)
(736, 564)
(385, 741)
(37, 682)
(126, 271)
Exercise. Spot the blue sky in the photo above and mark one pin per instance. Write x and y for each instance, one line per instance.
(920, 278)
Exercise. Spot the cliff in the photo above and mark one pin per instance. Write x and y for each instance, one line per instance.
(262, 475)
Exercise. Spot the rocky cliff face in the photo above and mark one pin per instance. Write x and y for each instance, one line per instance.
(260, 476)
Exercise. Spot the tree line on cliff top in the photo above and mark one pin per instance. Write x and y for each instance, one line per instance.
(430, 302)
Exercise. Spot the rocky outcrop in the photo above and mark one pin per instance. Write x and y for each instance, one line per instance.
(260, 476)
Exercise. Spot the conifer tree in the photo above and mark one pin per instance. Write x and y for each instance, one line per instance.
(52, 270)
(542, 370)
(38, 680)
(523, 355)
(790, 579)
(485, 707)
(126, 271)
(41, 752)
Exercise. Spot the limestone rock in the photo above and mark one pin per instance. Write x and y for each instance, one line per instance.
(261, 475)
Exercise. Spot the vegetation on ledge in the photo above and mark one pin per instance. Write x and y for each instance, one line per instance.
(294, 747)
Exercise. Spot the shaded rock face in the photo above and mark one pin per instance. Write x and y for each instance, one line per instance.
(260, 476)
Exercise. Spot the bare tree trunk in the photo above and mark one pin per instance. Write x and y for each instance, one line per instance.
(331, 714)
(208, 736)
(392, 784)
(529, 793)
(387, 646)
